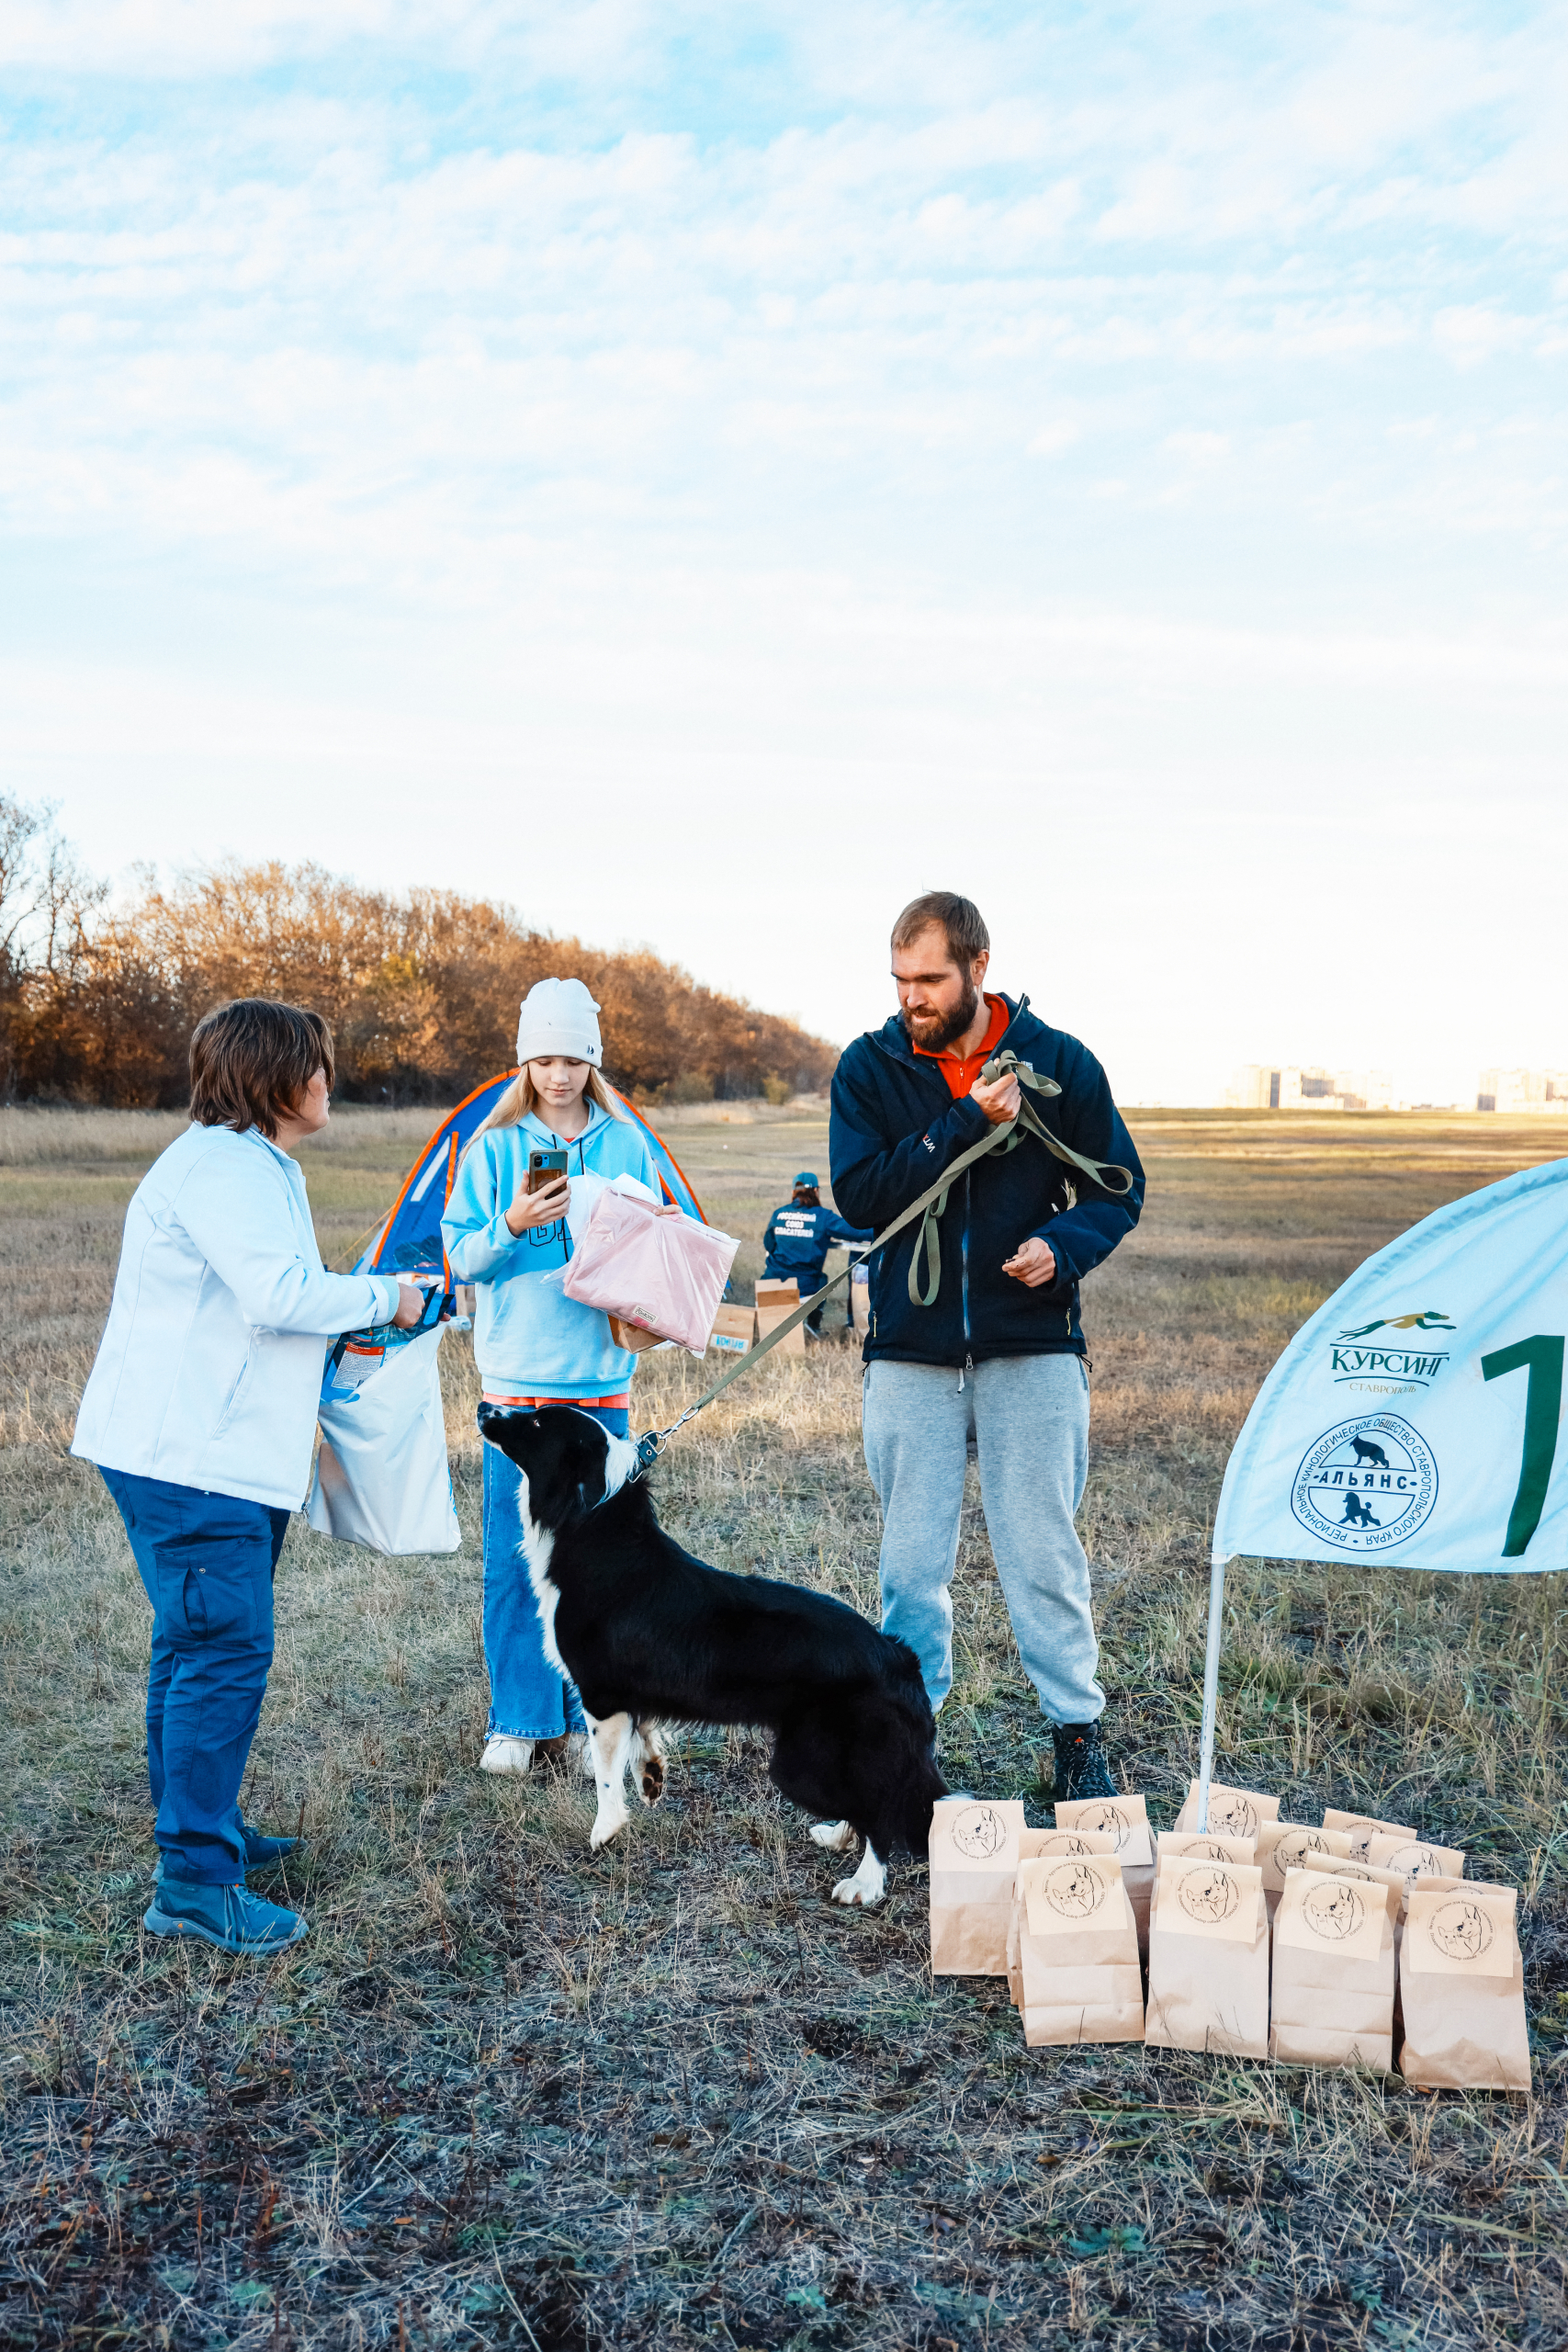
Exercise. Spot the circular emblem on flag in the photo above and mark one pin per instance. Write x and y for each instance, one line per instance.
(1332, 1912)
(1365, 1484)
(1076, 1891)
(1460, 1929)
(978, 1832)
(1209, 1895)
(1109, 1819)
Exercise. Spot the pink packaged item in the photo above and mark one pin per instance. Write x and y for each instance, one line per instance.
(664, 1273)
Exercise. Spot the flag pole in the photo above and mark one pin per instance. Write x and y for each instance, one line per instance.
(1211, 1689)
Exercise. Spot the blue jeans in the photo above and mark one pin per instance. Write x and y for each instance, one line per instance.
(1027, 1418)
(528, 1699)
(207, 1561)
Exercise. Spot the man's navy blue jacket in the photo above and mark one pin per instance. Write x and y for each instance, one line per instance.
(799, 1238)
(895, 1128)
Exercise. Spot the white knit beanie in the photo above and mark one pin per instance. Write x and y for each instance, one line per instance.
(558, 1017)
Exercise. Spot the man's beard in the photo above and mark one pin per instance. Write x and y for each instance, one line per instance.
(947, 1032)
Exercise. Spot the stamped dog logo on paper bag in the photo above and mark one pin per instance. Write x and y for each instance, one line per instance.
(1208, 1958)
(1462, 1985)
(1232, 1812)
(974, 1861)
(1333, 1944)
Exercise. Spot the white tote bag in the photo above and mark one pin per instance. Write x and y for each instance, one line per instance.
(381, 1475)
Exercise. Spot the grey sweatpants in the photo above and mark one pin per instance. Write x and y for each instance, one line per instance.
(1029, 1417)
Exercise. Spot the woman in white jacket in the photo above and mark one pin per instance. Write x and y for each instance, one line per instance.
(200, 1412)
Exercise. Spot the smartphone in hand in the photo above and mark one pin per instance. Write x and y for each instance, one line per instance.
(545, 1169)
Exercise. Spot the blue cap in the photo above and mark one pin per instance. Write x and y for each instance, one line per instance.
(807, 1181)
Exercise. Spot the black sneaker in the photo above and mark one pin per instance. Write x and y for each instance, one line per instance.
(1082, 1769)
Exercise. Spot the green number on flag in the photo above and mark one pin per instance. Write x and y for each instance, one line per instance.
(1543, 1410)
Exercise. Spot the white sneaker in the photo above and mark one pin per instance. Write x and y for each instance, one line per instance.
(505, 1755)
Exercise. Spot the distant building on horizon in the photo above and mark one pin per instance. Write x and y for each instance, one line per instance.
(1528, 1090)
(1287, 1086)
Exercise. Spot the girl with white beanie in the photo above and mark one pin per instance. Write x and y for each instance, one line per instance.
(533, 1344)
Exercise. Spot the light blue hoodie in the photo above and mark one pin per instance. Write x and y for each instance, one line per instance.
(530, 1339)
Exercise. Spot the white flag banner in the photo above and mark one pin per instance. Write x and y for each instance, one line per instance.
(1418, 1417)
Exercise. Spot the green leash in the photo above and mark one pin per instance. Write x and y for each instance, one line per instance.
(928, 1207)
(1003, 1139)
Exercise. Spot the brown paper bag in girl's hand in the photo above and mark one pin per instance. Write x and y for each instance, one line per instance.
(1414, 1858)
(1333, 1993)
(1284, 1846)
(1208, 1958)
(1127, 1820)
(1462, 1982)
(1363, 1828)
(1034, 1842)
(1232, 1812)
(1078, 1951)
(974, 1861)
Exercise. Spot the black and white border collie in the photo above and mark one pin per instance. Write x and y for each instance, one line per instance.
(649, 1634)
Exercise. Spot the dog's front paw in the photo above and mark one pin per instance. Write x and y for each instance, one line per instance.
(853, 1892)
(607, 1825)
(867, 1887)
(837, 1836)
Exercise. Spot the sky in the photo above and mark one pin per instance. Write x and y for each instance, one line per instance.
(705, 474)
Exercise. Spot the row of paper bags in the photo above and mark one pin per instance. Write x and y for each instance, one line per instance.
(1334, 1946)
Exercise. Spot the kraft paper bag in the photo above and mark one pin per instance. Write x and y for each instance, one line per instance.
(1334, 1973)
(1127, 1819)
(1390, 1881)
(974, 1861)
(1034, 1842)
(1284, 1845)
(1208, 1958)
(1232, 1812)
(1413, 1858)
(1363, 1828)
(1462, 1979)
(1184, 1842)
(1078, 1951)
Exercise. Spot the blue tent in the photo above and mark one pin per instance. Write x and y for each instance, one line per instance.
(408, 1240)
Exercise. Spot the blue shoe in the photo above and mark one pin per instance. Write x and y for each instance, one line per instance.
(228, 1917)
(260, 1851)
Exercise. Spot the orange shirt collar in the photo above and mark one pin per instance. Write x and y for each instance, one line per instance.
(959, 1073)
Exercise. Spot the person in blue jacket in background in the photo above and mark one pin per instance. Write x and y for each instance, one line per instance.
(799, 1237)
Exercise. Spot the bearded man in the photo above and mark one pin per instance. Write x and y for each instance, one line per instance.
(990, 1353)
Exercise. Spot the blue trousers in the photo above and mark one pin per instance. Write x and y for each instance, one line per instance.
(528, 1699)
(208, 1563)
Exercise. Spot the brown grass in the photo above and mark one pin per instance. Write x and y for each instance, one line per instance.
(511, 2093)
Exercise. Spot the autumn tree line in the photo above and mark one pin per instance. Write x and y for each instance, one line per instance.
(421, 986)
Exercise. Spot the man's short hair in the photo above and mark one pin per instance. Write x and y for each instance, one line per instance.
(251, 1060)
(945, 910)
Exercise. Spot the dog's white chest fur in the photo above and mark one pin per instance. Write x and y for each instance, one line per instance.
(537, 1545)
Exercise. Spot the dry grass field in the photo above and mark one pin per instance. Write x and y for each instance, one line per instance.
(511, 2093)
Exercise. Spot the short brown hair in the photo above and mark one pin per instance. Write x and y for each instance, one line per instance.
(945, 910)
(251, 1060)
